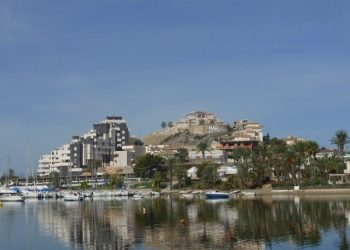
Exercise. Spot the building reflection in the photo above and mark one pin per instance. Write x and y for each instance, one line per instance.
(189, 224)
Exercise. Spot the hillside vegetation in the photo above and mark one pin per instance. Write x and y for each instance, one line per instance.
(188, 139)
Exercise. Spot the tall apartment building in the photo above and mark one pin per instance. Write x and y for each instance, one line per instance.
(102, 143)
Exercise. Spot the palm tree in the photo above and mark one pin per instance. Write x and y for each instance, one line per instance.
(202, 147)
(341, 138)
(163, 125)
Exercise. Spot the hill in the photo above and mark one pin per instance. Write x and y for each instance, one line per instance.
(188, 139)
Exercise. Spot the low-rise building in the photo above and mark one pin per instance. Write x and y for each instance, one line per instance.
(213, 155)
(291, 140)
(246, 134)
(192, 172)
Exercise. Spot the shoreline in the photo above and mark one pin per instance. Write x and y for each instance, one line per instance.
(267, 192)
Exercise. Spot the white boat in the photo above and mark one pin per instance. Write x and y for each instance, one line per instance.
(122, 192)
(11, 197)
(88, 194)
(102, 194)
(30, 194)
(5, 190)
(72, 197)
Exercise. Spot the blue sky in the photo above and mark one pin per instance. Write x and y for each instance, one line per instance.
(67, 64)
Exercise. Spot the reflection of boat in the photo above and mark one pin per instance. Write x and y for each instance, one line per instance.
(187, 195)
(138, 196)
(11, 197)
(154, 193)
(216, 195)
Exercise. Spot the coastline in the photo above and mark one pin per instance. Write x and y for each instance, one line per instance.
(268, 192)
(301, 192)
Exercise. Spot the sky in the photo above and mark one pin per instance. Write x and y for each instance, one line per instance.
(67, 64)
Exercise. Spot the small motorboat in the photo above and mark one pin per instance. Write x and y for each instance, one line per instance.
(211, 195)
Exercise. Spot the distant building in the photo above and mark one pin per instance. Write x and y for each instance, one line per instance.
(246, 134)
(101, 143)
(127, 157)
(57, 161)
(291, 140)
(199, 123)
(164, 151)
(214, 155)
(192, 172)
(225, 171)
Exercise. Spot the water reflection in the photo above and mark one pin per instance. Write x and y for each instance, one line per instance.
(171, 223)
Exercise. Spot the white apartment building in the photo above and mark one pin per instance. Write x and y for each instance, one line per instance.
(100, 143)
(57, 161)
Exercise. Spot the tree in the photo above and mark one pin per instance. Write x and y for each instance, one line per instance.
(170, 124)
(171, 163)
(181, 175)
(341, 138)
(93, 165)
(163, 124)
(201, 122)
(240, 154)
(54, 179)
(148, 164)
(138, 142)
(207, 174)
(182, 155)
(266, 138)
(202, 147)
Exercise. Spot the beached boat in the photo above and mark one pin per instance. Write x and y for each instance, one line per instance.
(11, 197)
(216, 195)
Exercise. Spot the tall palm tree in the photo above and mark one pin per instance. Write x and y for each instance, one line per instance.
(341, 138)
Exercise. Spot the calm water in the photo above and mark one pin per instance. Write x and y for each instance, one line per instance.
(162, 223)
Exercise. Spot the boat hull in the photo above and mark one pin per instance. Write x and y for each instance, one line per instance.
(11, 198)
(217, 195)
